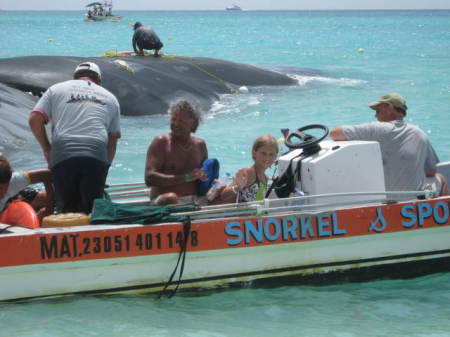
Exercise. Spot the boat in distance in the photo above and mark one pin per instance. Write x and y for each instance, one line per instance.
(98, 11)
(355, 231)
(233, 8)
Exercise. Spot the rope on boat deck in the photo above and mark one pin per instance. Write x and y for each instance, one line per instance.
(182, 257)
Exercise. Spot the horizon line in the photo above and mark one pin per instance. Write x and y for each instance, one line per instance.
(244, 10)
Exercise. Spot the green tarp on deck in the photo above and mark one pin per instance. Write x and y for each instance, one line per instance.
(107, 212)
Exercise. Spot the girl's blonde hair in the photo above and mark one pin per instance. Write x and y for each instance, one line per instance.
(263, 141)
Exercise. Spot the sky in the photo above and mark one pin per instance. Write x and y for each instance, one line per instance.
(221, 4)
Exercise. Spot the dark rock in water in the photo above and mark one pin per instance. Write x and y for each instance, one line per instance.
(144, 85)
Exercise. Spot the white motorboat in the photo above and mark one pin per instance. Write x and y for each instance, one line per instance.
(98, 11)
(338, 225)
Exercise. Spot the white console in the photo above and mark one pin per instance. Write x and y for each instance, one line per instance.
(339, 167)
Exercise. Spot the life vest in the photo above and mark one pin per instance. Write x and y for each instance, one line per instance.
(20, 213)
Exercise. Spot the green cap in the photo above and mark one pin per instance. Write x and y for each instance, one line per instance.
(393, 98)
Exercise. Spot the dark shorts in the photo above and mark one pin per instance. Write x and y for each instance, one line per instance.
(78, 181)
(150, 45)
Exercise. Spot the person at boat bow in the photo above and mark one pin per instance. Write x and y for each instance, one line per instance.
(85, 120)
(174, 159)
(144, 37)
(409, 160)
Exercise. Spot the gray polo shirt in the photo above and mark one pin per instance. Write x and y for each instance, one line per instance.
(407, 153)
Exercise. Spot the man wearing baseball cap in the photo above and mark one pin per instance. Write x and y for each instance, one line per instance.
(85, 119)
(409, 160)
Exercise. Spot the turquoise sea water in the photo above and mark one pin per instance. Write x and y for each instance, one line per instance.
(355, 57)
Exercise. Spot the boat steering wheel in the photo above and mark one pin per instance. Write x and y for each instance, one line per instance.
(306, 141)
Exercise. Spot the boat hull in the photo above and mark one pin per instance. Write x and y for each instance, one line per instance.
(322, 247)
(109, 18)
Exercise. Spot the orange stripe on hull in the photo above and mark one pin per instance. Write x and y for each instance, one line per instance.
(89, 243)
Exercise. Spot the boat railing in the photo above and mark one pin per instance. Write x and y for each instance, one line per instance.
(137, 193)
(301, 204)
(127, 191)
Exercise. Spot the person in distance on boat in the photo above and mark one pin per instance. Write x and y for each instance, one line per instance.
(174, 159)
(250, 183)
(409, 160)
(85, 120)
(13, 207)
(144, 37)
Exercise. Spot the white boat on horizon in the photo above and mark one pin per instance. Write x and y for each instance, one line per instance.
(345, 228)
(233, 8)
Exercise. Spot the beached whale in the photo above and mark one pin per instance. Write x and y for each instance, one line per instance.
(144, 85)
(15, 107)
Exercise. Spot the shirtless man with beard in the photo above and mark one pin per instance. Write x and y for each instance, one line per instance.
(174, 159)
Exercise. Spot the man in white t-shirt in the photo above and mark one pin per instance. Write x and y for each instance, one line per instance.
(85, 119)
(409, 160)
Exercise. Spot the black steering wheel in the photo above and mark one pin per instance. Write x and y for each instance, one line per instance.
(306, 141)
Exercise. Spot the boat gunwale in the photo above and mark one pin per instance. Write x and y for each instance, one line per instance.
(242, 211)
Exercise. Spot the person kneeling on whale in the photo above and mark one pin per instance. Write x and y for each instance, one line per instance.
(174, 159)
(145, 38)
(17, 205)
